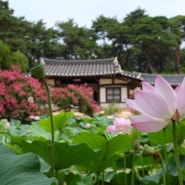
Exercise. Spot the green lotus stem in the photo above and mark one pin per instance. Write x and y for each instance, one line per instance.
(125, 168)
(164, 169)
(97, 178)
(141, 159)
(103, 173)
(176, 152)
(133, 169)
(103, 178)
(166, 158)
(52, 131)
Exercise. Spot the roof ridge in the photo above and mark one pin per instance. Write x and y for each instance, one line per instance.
(66, 61)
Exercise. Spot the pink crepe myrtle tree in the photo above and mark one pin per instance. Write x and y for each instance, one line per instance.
(86, 103)
(76, 95)
(24, 97)
(15, 92)
(63, 98)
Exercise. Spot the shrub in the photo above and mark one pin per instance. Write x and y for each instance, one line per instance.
(63, 98)
(76, 95)
(111, 109)
(20, 95)
(19, 59)
(85, 98)
(9, 58)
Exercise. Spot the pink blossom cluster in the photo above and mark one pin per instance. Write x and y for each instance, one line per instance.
(15, 90)
(76, 95)
(85, 97)
(63, 97)
(23, 97)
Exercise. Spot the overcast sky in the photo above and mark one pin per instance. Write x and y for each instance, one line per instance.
(85, 11)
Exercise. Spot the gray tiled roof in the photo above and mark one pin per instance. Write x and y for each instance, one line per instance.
(173, 79)
(84, 68)
(100, 67)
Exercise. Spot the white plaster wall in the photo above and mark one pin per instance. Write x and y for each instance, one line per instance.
(105, 81)
(124, 94)
(121, 105)
(102, 94)
(117, 81)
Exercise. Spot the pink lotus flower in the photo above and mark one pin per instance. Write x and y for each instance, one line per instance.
(180, 90)
(36, 118)
(7, 125)
(157, 105)
(87, 125)
(120, 125)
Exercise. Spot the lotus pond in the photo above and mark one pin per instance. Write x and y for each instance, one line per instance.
(85, 153)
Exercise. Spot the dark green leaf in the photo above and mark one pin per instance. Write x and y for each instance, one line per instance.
(93, 140)
(158, 137)
(60, 120)
(21, 169)
(67, 155)
(119, 144)
(172, 165)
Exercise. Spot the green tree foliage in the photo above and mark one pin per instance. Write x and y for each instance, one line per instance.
(141, 42)
(5, 18)
(19, 59)
(79, 42)
(9, 58)
(183, 60)
(4, 55)
(12, 29)
(177, 27)
(105, 28)
(32, 39)
(41, 41)
(153, 43)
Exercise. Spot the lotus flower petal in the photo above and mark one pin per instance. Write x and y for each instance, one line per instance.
(153, 104)
(132, 105)
(180, 90)
(177, 89)
(183, 82)
(148, 124)
(121, 124)
(111, 128)
(147, 87)
(164, 89)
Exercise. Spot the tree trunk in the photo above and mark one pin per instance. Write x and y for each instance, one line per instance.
(177, 57)
(149, 67)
